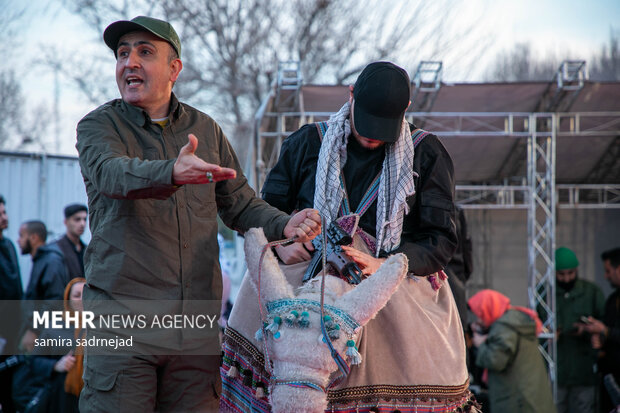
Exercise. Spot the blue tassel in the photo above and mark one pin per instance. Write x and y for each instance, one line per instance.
(329, 323)
(275, 325)
(304, 320)
(258, 336)
(291, 318)
(334, 333)
(352, 353)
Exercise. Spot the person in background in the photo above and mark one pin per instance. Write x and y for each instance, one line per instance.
(50, 380)
(461, 265)
(10, 290)
(71, 244)
(576, 299)
(606, 334)
(48, 276)
(507, 346)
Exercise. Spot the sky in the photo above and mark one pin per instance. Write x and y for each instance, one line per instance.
(574, 28)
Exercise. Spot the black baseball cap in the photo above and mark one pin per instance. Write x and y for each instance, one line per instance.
(160, 28)
(381, 95)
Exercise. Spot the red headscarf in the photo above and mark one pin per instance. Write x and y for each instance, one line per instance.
(489, 305)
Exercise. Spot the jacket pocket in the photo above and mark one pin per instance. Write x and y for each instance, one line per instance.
(275, 187)
(102, 381)
(201, 200)
(436, 211)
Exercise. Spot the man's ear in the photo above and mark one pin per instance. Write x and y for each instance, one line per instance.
(176, 66)
(350, 93)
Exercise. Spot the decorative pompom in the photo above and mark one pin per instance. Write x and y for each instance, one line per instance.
(334, 333)
(304, 320)
(275, 325)
(352, 353)
(434, 283)
(260, 390)
(259, 335)
(291, 318)
(247, 377)
(233, 371)
(329, 323)
(277, 336)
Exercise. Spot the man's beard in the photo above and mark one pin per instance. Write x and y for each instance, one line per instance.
(567, 286)
(27, 249)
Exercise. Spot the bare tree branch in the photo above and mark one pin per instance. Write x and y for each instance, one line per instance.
(231, 48)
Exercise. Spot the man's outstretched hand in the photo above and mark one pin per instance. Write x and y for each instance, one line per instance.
(305, 225)
(190, 169)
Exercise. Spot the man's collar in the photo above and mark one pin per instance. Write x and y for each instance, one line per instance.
(140, 117)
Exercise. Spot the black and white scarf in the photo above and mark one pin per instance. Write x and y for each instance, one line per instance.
(396, 182)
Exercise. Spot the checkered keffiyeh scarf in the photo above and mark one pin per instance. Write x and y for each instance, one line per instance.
(395, 186)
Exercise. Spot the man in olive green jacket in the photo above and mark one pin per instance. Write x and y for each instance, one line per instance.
(157, 174)
(576, 299)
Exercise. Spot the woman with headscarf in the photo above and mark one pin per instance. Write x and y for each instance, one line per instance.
(507, 344)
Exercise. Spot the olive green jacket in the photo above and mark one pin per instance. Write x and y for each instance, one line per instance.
(576, 358)
(151, 239)
(518, 380)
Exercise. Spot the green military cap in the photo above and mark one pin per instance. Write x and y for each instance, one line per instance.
(159, 28)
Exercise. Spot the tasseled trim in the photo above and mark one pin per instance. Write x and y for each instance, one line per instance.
(275, 325)
(291, 318)
(260, 390)
(434, 283)
(233, 371)
(354, 356)
(433, 279)
(304, 320)
(247, 377)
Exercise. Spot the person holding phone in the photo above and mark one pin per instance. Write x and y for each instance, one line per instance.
(576, 300)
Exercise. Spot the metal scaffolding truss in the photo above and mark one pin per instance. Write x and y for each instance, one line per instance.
(541, 231)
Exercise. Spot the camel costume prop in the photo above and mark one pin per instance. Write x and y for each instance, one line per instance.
(409, 358)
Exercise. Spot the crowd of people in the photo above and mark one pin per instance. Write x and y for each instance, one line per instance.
(37, 381)
(159, 172)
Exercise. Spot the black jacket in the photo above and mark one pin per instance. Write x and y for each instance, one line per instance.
(10, 279)
(48, 277)
(74, 261)
(610, 363)
(36, 377)
(429, 234)
(10, 290)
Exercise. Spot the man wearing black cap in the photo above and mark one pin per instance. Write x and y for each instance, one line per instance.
(421, 224)
(158, 173)
(369, 161)
(71, 244)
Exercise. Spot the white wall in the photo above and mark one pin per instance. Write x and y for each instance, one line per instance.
(500, 247)
(38, 187)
